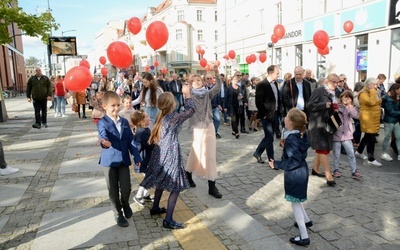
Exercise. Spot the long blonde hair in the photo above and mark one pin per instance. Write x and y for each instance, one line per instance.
(165, 104)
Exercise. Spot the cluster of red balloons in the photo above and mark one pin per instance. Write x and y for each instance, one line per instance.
(157, 34)
(321, 40)
(279, 32)
(78, 78)
(200, 51)
(251, 59)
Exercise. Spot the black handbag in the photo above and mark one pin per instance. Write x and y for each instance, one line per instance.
(332, 123)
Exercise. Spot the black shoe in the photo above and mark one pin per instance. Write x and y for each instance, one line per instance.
(51, 107)
(121, 221)
(278, 136)
(36, 126)
(217, 135)
(244, 131)
(84, 116)
(299, 241)
(162, 210)
(259, 160)
(190, 178)
(313, 172)
(128, 212)
(44, 125)
(237, 136)
(172, 225)
(331, 183)
(213, 190)
(308, 224)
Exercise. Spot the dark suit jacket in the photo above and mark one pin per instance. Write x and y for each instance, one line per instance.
(163, 84)
(287, 95)
(265, 100)
(121, 144)
(134, 96)
(173, 89)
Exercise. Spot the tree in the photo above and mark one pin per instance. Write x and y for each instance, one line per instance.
(32, 62)
(31, 24)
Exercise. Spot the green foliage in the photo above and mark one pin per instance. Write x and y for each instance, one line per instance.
(31, 24)
(32, 62)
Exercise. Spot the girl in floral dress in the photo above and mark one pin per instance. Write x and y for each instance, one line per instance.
(166, 169)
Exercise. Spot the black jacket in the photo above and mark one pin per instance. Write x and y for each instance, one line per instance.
(289, 100)
(265, 100)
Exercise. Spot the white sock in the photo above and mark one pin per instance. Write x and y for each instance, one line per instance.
(298, 214)
(139, 193)
(306, 219)
(146, 193)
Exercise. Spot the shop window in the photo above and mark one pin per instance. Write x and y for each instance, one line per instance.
(395, 55)
(361, 57)
(299, 55)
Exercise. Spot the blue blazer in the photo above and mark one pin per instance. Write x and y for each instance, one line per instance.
(121, 144)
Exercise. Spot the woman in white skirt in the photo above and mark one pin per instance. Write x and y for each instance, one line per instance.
(202, 160)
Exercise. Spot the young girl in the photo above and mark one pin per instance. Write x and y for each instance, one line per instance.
(166, 169)
(344, 135)
(202, 158)
(127, 109)
(141, 121)
(296, 170)
(97, 104)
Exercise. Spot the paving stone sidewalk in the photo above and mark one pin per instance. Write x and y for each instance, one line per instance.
(59, 199)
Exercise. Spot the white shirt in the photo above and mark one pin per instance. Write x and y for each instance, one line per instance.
(300, 97)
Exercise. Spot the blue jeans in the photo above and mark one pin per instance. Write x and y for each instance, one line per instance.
(389, 128)
(348, 146)
(267, 143)
(152, 112)
(40, 111)
(216, 119)
(178, 100)
(60, 107)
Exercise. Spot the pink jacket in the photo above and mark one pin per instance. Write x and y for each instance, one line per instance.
(345, 131)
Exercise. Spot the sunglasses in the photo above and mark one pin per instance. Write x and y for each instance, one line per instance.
(341, 81)
(238, 75)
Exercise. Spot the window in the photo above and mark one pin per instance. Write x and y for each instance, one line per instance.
(216, 36)
(216, 16)
(181, 15)
(199, 15)
(279, 12)
(262, 19)
(200, 35)
(278, 53)
(362, 57)
(179, 34)
(179, 56)
(299, 55)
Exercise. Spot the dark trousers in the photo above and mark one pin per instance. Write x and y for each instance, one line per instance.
(238, 116)
(369, 141)
(118, 181)
(267, 143)
(40, 111)
(357, 131)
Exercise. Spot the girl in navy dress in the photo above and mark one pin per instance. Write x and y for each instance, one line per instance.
(296, 170)
(166, 169)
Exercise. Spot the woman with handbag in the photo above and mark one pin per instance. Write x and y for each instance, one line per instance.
(80, 100)
(321, 106)
(370, 116)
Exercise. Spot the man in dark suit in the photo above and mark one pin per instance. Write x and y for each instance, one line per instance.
(135, 94)
(296, 92)
(268, 104)
(175, 86)
(162, 83)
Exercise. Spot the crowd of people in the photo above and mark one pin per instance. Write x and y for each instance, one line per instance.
(149, 112)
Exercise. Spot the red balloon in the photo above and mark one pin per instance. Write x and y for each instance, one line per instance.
(231, 54)
(279, 31)
(324, 51)
(78, 78)
(202, 52)
(104, 71)
(203, 62)
(84, 63)
(134, 25)
(119, 54)
(262, 57)
(321, 39)
(102, 60)
(274, 38)
(253, 58)
(348, 26)
(164, 71)
(226, 57)
(157, 34)
(207, 67)
(198, 49)
(217, 63)
(248, 60)
(156, 63)
(146, 68)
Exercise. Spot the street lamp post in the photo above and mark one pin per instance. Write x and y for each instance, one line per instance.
(62, 34)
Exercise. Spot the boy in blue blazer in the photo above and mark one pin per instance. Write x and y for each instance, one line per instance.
(116, 140)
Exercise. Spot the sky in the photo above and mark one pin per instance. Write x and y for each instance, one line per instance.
(87, 17)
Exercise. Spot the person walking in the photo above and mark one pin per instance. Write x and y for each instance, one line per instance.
(60, 95)
(4, 168)
(166, 169)
(268, 105)
(80, 100)
(39, 90)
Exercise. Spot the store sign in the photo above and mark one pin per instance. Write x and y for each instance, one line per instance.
(294, 33)
(365, 17)
(362, 60)
(394, 12)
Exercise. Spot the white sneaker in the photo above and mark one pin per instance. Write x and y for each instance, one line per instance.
(375, 163)
(361, 156)
(398, 157)
(386, 157)
(63, 116)
(8, 170)
(55, 115)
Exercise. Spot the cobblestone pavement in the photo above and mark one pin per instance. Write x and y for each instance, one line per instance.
(59, 199)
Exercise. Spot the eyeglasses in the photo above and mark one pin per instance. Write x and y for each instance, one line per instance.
(238, 75)
(334, 82)
(208, 78)
(341, 81)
